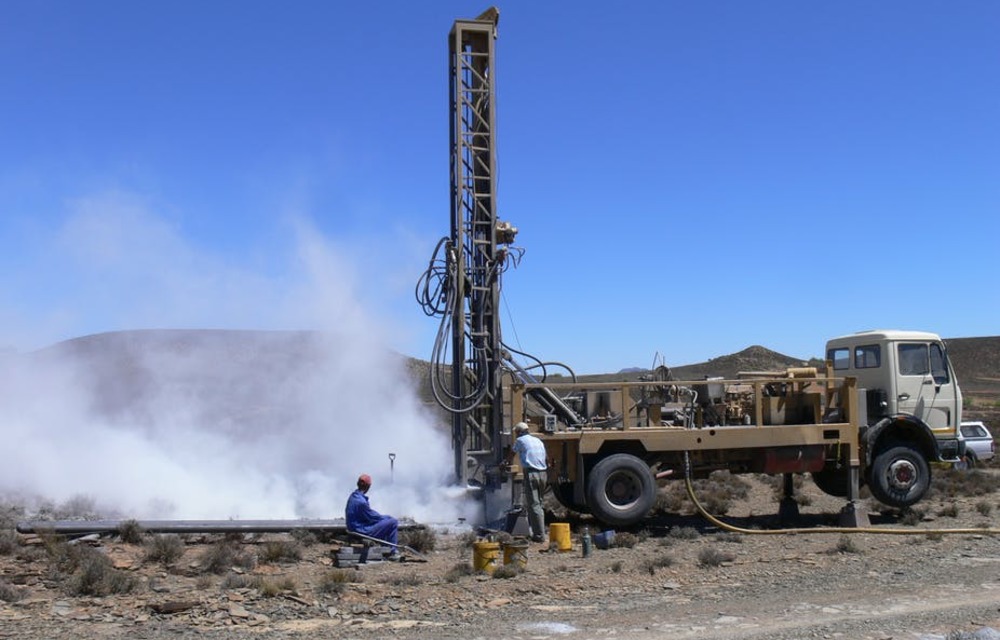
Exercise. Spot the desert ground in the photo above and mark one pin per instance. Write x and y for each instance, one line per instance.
(676, 576)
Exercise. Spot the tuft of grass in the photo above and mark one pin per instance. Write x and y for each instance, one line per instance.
(953, 483)
(203, 582)
(659, 562)
(97, 577)
(713, 557)
(273, 588)
(683, 533)
(935, 536)
(984, 508)
(458, 571)
(130, 532)
(845, 544)
(277, 551)
(335, 581)
(223, 556)
(624, 540)
(411, 579)
(949, 511)
(421, 540)
(507, 571)
(10, 593)
(236, 581)
(304, 537)
(165, 549)
(911, 517)
(730, 537)
(617, 566)
(465, 542)
(8, 542)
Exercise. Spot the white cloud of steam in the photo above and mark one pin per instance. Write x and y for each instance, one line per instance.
(167, 451)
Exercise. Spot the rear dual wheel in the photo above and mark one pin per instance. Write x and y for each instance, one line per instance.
(621, 490)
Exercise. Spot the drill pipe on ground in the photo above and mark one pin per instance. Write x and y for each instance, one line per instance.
(86, 527)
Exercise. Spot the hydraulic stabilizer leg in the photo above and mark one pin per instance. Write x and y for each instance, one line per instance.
(788, 508)
(854, 514)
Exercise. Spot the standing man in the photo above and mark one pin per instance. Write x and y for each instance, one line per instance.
(361, 518)
(532, 454)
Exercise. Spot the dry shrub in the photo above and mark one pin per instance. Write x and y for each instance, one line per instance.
(272, 588)
(730, 537)
(953, 483)
(410, 579)
(8, 542)
(10, 593)
(223, 556)
(617, 566)
(277, 551)
(683, 533)
(911, 517)
(670, 500)
(458, 571)
(624, 540)
(422, 540)
(165, 549)
(948, 511)
(335, 580)
(97, 577)
(130, 532)
(507, 571)
(235, 580)
(984, 508)
(304, 537)
(659, 562)
(845, 544)
(713, 557)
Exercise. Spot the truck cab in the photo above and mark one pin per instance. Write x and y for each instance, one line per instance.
(909, 401)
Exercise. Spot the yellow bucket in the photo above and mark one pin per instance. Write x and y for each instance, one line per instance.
(485, 555)
(559, 536)
(515, 554)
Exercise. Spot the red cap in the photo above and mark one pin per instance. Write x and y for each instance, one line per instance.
(365, 479)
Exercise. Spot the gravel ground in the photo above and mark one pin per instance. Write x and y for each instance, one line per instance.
(682, 579)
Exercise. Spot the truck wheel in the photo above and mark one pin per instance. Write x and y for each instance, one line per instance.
(621, 490)
(970, 460)
(900, 477)
(832, 482)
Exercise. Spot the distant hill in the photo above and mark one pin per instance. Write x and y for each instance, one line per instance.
(246, 379)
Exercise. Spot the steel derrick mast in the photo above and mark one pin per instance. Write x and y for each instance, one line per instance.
(477, 251)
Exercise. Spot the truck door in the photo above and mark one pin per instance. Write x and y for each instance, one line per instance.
(925, 387)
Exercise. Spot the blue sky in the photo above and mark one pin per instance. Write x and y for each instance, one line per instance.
(687, 178)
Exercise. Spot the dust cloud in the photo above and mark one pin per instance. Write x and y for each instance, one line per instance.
(273, 417)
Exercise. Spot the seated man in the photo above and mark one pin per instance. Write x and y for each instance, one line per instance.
(361, 518)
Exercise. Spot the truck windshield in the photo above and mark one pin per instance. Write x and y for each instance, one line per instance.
(921, 359)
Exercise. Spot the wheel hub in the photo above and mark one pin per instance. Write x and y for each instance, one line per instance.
(622, 489)
(902, 474)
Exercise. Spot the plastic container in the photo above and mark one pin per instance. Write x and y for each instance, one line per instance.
(516, 553)
(485, 556)
(604, 539)
(559, 536)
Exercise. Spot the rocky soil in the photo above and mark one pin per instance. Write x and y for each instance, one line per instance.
(683, 578)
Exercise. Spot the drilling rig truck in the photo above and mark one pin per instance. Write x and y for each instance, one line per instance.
(884, 409)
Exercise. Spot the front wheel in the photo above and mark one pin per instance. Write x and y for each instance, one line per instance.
(621, 490)
(900, 477)
(970, 460)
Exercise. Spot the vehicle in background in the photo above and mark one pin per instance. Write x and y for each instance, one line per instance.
(979, 444)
